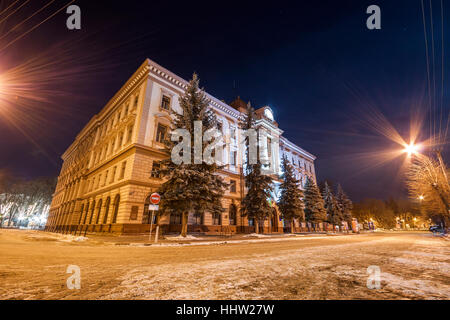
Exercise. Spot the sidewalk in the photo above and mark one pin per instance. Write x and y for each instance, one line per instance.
(200, 239)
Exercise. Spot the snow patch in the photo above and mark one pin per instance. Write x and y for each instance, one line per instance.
(180, 237)
(433, 265)
(422, 288)
(256, 235)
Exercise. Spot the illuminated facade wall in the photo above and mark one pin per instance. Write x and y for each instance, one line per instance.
(108, 171)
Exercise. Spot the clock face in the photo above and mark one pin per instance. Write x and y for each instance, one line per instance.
(268, 114)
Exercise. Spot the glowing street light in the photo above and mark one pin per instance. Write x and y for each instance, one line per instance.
(411, 149)
(421, 197)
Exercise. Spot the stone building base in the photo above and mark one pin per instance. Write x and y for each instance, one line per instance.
(165, 228)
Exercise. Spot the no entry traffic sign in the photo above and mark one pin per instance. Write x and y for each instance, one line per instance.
(155, 198)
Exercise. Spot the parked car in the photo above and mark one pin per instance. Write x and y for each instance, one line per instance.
(436, 228)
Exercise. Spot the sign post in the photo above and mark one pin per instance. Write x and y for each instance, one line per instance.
(155, 198)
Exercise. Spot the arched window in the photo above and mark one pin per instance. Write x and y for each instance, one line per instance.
(232, 214)
(146, 214)
(116, 208)
(99, 211)
(86, 214)
(92, 212)
(81, 213)
(105, 218)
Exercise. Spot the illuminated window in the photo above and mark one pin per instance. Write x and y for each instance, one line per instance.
(232, 132)
(120, 139)
(165, 102)
(219, 126)
(217, 219)
(113, 176)
(161, 132)
(122, 171)
(233, 156)
(233, 186)
(130, 134)
(155, 169)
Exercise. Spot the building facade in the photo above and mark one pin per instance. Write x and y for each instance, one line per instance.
(111, 168)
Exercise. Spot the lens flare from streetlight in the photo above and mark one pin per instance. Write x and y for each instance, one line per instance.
(411, 149)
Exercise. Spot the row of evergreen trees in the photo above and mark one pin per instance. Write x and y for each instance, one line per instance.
(310, 205)
(197, 188)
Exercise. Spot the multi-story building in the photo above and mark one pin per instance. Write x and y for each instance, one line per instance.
(111, 168)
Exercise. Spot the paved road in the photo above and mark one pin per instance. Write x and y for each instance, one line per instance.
(33, 265)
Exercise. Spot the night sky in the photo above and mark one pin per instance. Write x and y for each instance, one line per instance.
(314, 62)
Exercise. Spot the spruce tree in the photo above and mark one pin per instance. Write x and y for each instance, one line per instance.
(314, 206)
(290, 202)
(191, 187)
(334, 214)
(259, 186)
(345, 205)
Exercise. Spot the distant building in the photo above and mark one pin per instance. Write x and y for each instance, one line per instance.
(110, 169)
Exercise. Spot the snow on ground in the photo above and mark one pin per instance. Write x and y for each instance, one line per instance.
(413, 266)
(256, 235)
(41, 236)
(180, 237)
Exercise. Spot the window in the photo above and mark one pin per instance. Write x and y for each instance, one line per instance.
(106, 178)
(86, 213)
(136, 101)
(120, 139)
(122, 170)
(155, 169)
(175, 218)
(165, 102)
(98, 182)
(113, 176)
(251, 222)
(232, 132)
(92, 212)
(161, 133)
(116, 208)
(81, 213)
(99, 211)
(217, 219)
(130, 134)
(126, 109)
(198, 218)
(232, 215)
(219, 126)
(233, 186)
(105, 218)
(233, 155)
(269, 148)
(112, 146)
